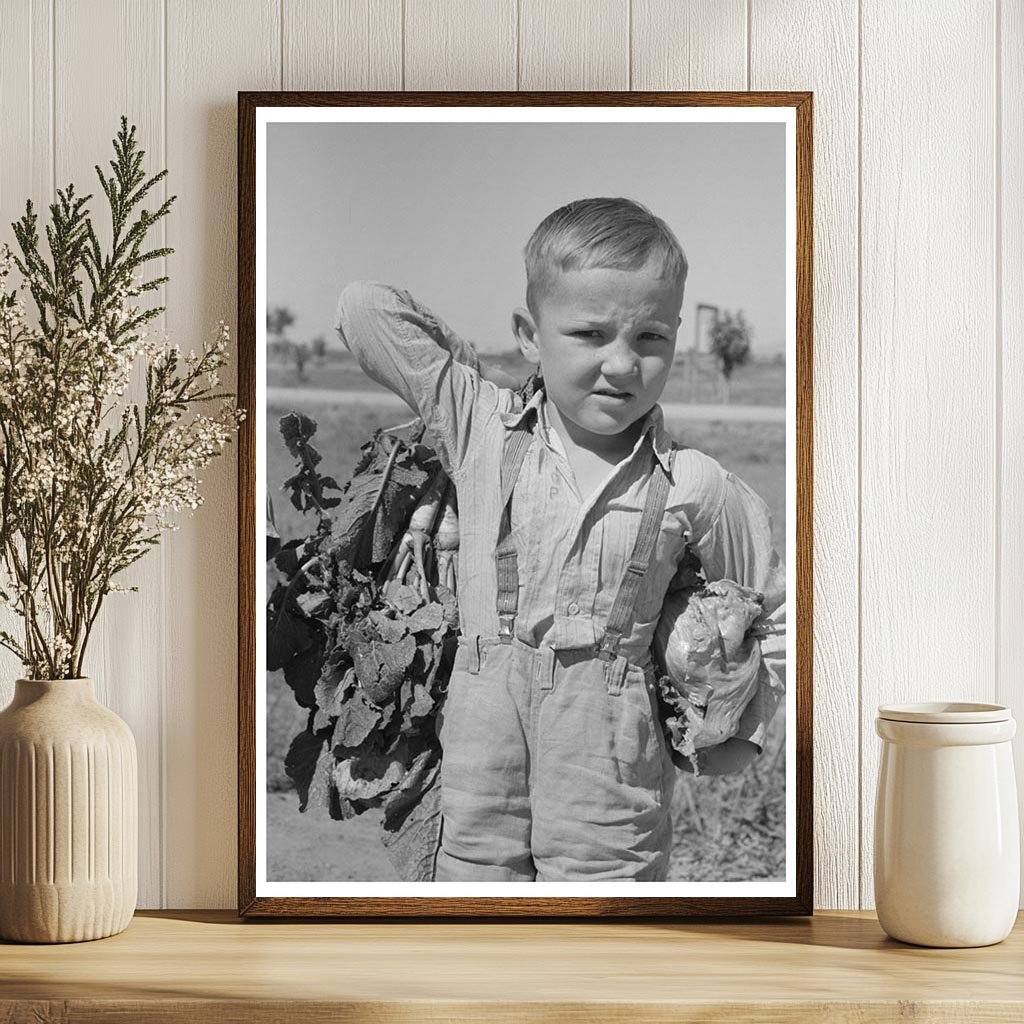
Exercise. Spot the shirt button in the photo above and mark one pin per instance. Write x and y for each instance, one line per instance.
(574, 609)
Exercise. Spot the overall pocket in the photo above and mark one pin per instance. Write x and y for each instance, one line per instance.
(471, 653)
(635, 725)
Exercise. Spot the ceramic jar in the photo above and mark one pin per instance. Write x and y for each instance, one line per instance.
(68, 813)
(947, 846)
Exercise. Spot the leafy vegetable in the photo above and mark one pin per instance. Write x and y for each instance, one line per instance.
(363, 620)
(363, 654)
(707, 642)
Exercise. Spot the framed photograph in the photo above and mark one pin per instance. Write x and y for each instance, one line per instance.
(525, 504)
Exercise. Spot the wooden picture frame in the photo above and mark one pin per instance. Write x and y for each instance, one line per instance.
(256, 895)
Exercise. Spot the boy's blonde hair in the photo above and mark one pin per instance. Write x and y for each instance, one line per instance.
(619, 234)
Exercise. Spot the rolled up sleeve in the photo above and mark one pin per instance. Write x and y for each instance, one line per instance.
(399, 343)
(738, 546)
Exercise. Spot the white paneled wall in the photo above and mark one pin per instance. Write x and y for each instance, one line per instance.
(919, 327)
(778, 61)
(929, 465)
(1008, 425)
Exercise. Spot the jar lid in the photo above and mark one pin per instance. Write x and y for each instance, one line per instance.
(945, 712)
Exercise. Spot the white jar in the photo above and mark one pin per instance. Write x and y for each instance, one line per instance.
(947, 846)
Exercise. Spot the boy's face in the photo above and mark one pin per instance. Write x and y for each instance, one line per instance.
(604, 340)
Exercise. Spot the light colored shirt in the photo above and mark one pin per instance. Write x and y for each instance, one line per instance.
(572, 553)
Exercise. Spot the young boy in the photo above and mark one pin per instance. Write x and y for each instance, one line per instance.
(575, 513)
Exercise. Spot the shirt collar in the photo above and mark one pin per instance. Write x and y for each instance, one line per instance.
(516, 416)
(653, 427)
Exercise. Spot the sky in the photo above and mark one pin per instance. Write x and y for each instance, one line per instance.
(445, 209)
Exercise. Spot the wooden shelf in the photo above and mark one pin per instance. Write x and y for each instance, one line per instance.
(208, 966)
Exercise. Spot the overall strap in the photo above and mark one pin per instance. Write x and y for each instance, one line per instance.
(513, 454)
(620, 618)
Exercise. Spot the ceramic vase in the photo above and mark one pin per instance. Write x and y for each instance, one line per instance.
(68, 815)
(947, 846)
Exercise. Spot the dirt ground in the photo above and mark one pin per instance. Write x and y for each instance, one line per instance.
(313, 848)
(727, 829)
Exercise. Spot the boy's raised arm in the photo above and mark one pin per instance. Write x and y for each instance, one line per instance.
(399, 343)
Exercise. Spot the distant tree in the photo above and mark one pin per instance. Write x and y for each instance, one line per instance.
(301, 354)
(730, 343)
(279, 319)
(319, 347)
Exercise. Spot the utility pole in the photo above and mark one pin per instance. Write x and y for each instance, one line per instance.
(703, 310)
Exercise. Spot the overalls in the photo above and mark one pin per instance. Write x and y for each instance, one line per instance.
(554, 764)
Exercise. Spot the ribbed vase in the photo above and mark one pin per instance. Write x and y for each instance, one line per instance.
(68, 815)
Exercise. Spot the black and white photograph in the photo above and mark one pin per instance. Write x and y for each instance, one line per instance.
(525, 463)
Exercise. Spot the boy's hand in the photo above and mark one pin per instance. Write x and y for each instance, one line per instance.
(726, 758)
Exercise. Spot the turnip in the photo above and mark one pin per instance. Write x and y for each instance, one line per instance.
(415, 543)
(446, 542)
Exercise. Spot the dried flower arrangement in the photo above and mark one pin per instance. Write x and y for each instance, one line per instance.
(89, 478)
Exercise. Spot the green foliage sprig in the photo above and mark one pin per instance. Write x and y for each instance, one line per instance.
(89, 477)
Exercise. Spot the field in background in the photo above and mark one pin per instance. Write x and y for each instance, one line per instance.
(755, 452)
(760, 382)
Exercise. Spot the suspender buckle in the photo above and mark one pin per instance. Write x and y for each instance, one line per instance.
(608, 648)
(637, 566)
(506, 622)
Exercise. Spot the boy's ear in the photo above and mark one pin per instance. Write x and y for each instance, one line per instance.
(525, 331)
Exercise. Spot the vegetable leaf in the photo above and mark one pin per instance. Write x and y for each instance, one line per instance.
(356, 720)
(301, 763)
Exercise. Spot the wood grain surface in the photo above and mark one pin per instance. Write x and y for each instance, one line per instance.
(928, 451)
(701, 44)
(469, 45)
(130, 34)
(779, 58)
(207, 966)
(1009, 265)
(229, 45)
(342, 44)
(574, 44)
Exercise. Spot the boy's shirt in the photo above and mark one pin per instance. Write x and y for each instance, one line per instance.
(572, 554)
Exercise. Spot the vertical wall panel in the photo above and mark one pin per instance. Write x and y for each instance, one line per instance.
(469, 45)
(26, 172)
(689, 44)
(574, 44)
(814, 46)
(928, 364)
(1011, 377)
(213, 51)
(342, 44)
(26, 102)
(122, 657)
